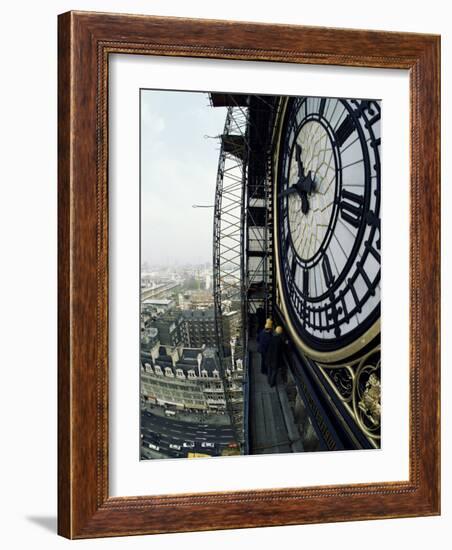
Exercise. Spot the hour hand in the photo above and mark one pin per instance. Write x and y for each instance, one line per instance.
(289, 191)
(307, 184)
(299, 161)
(304, 203)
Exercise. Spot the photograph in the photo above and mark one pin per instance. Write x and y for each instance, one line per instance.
(220, 274)
(259, 274)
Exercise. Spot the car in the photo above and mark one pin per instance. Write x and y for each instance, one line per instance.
(154, 437)
(188, 444)
(175, 446)
(170, 413)
(154, 447)
(208, 445)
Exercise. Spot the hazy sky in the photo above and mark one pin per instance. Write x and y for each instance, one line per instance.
(178, 169)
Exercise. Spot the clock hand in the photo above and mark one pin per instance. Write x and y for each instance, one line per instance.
(304, 203)
(306, 184)
(299, 161)
(289, 191)
(303, 187)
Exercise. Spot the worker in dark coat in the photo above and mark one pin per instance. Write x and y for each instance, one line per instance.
(273, 357)
(260, 319)
(263, 340)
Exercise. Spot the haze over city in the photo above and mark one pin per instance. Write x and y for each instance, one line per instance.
(178, 160)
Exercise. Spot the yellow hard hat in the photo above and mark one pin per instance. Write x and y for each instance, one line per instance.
(279, 330)
(268, 323)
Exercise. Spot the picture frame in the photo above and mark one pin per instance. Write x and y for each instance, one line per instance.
(86, 40)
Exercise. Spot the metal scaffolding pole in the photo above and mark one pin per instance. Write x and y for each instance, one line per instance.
(228, 255)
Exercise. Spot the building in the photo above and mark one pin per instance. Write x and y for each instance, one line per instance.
(150, 344)
(171, 328)
(195, 299)
(232, 326)
(200, 327)
(159, 290)
(157, 306)
(191, 383)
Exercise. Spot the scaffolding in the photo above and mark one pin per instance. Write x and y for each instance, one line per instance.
(242, 249)
(228, 253)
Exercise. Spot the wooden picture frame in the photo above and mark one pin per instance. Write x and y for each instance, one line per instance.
(85, 42)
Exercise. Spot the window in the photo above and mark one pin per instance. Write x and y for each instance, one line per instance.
(148, 367)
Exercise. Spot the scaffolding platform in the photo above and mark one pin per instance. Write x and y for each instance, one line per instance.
(271, 429)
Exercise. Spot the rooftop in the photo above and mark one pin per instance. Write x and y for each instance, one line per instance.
(156, 302)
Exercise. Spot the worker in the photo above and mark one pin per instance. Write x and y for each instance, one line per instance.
(263, 340)
(274, 357)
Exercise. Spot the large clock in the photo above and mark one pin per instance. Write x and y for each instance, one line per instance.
(327, 223)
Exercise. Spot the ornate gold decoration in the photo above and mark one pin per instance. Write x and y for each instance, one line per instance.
(363, 399)
(370, 400)
(367, 394)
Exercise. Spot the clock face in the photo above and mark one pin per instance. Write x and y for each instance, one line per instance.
(327, 201)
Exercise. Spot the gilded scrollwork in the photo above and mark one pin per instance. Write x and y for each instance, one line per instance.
(370, 400)
(367, 395)
(342, 379)
(358, 385)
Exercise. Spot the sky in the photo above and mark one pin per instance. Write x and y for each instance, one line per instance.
(178, 169)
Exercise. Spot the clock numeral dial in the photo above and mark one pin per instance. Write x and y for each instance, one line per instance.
(351, 207)
(305, 282)
(329, 254)
(327, 273)
(293, 267)
(345, 130)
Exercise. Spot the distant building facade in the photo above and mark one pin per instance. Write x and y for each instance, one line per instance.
(157, 306)
(200, 327)
(171, 327)
(191, 383)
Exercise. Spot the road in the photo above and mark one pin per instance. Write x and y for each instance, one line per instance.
(164, 431)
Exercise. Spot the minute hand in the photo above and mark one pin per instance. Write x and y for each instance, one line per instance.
(304, 186)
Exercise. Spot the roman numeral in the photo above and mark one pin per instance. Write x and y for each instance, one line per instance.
(345, 130)
(351, 207)
(372, 110)
(355, 296)
(293, 267)
(322, 106)
(327, 273)
(305, 282)
(373, 220)
(344, 308)
(333, 316)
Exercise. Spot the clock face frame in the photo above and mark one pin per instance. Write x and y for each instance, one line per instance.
(327, 222)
